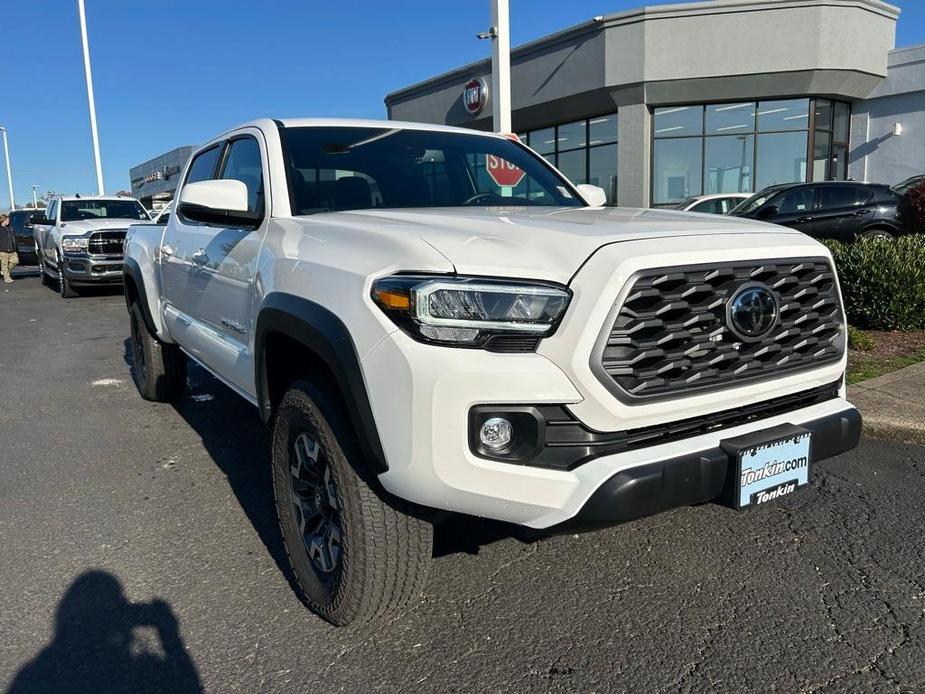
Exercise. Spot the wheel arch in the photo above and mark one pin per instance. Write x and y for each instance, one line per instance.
(298, 338)
(133, 287)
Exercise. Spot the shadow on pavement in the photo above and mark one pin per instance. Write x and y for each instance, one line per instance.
(104, 643)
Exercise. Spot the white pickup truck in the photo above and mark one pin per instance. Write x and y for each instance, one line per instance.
(79, 240)
(433, 319)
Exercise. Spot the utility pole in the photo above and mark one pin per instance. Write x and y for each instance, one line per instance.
(93, 131)
(500, 66)
(9, 172)
(35, 202)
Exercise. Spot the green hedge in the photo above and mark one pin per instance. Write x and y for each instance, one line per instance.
(883, 282)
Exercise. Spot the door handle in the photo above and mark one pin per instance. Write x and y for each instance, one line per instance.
(200, 257)
(167, 250)
(861, 213)
(803, 220)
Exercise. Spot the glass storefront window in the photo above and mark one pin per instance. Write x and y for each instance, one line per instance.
(678, 167)
(573, 165)
(842, 122)
(728, 164)
(572, 135)
(789, 114)
(543, 141)
(584, 151)
(780, 158)
(602, 130)
(602, 170)
(822, 148)
(840, 162)
(678, 121)
(823, 114)
(726, 119)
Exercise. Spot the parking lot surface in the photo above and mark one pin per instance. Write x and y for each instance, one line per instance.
(139, 552)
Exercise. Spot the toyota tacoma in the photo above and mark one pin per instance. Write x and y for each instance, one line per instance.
(432, 319)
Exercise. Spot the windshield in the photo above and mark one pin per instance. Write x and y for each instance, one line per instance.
(77, 210)
(352, 168)
(753, 203)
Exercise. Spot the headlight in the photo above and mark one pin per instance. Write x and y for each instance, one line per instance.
(74, 244)
(470, 311)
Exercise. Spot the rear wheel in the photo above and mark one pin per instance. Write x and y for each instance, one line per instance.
(158, 369)
(43, 270)
(356, 555)
(877, 235)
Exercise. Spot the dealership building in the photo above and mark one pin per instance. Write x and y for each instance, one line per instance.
(661, 103)
(155, 181)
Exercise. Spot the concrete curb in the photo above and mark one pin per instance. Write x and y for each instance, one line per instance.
(893, 405)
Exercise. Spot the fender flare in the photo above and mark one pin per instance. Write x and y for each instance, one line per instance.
(321, 331)
(132, 271)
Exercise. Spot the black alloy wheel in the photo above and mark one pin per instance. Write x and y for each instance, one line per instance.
(315, 506)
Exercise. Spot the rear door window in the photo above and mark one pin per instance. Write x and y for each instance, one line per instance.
(836, 197)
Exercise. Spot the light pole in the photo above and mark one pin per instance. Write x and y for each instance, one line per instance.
(35, 202)
(500, 35)
(93, 131)
(9, 172)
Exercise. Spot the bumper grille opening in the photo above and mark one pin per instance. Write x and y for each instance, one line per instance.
(670, 336)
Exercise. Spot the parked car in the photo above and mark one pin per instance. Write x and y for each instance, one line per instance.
(22, 223)
(841, 210)
(716, 203)
(433, 319)
(911, 182)
(80, 239)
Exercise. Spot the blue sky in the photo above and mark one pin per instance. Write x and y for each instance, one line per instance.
(174, 72)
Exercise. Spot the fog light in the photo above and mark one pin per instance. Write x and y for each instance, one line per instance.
(496, 434)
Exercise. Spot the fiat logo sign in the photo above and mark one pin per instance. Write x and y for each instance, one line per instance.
(475, 94)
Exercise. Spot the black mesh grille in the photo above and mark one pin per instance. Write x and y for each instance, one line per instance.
(106, 242)
(670, 335)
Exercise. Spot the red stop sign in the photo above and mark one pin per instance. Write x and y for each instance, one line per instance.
(502, 172)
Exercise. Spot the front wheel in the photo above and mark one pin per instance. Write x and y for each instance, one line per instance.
(355, 554)
(158, 369)
(64, 284)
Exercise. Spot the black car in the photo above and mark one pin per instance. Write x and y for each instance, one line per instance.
(842, 210)
(21, 221)
(911, 182)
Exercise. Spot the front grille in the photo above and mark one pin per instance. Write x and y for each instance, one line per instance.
(108, 242)
(670, 335)
(569, 443)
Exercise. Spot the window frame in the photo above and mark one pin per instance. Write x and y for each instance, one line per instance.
(222, 161)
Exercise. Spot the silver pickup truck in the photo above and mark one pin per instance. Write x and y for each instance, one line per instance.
(79, 240)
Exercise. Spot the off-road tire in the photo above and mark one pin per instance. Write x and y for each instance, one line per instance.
(158, 369)
(385, 551)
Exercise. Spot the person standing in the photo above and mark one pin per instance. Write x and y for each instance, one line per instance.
(8, 257)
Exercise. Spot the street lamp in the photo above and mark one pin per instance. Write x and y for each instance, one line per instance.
(9, 173)
(93, 132)
(35, 202)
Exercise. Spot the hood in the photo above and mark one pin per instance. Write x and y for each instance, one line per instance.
(542, 243)
(85, 226)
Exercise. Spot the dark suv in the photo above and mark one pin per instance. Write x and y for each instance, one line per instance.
(21, 221)
(842, 210)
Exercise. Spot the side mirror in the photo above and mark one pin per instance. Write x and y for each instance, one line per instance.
(593, 195)
(768, 212)
(217, 202)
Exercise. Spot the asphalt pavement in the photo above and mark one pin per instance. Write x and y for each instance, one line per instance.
(139, 552)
